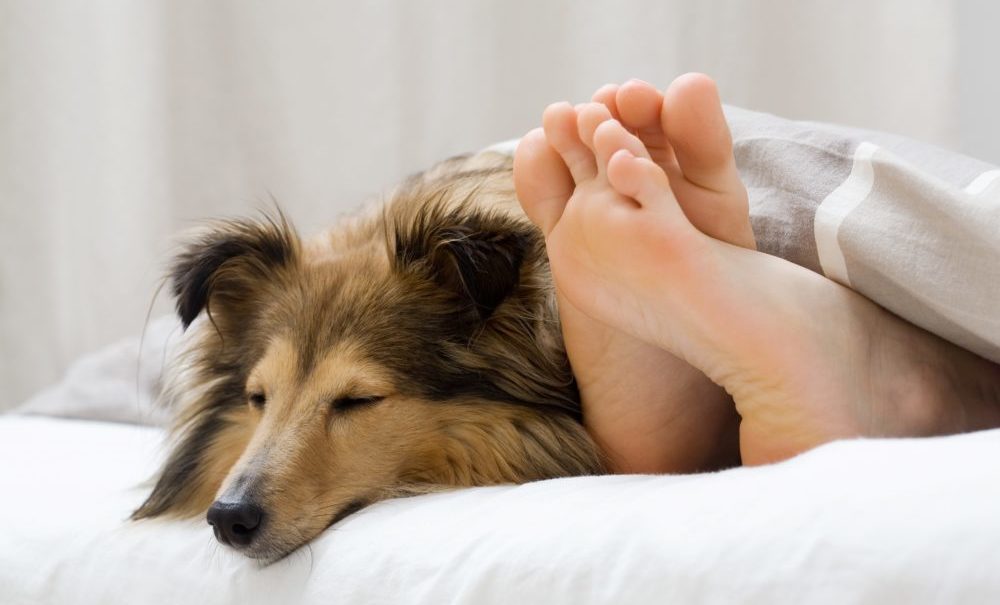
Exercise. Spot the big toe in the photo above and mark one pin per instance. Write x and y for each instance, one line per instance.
(714, 197)
(542, 180)
(693, 121)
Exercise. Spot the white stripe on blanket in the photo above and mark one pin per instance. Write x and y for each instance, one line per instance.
(832, 211)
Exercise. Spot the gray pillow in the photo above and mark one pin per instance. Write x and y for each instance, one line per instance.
(119, 383)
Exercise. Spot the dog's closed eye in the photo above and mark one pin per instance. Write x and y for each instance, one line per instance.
(257, 399)
(344, 404)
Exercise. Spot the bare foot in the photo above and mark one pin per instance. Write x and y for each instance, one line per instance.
(650, 411)
(805, 359)
(686, 134)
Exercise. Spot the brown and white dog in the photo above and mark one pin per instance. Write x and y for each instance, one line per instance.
(413, 347)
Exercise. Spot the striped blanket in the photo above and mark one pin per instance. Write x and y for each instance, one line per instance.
(913, 227)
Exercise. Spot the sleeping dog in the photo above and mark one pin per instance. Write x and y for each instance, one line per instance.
(411, 348)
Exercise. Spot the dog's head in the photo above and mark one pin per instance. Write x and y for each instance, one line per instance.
(415, 348)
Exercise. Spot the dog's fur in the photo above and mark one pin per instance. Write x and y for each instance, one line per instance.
(411, 347)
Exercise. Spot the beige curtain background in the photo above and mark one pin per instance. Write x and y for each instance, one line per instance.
(123, 122)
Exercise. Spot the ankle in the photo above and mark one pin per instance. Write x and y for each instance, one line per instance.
(947, 390)
(984, 394)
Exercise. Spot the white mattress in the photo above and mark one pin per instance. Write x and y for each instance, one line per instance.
(908, 521)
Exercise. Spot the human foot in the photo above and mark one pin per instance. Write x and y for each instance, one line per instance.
(650, 411)
(685, 133)
(806, 360)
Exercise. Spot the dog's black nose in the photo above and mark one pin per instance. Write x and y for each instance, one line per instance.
(235, 523)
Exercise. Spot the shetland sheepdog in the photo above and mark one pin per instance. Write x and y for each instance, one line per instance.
(412, 347)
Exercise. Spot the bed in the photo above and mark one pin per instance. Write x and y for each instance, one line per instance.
(864, 521)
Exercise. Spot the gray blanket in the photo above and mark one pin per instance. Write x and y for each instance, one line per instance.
(911, 226)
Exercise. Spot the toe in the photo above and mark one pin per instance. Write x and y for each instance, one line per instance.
(712, 194)
(541, 179)
(639, 105)
(589, 117)
(606, 95)
(610, 136)
(695, 125)
(638, 178)
(560, 125)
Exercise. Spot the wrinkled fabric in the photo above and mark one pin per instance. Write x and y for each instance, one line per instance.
(863, 521)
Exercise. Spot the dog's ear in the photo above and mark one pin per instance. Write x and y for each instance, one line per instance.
(224, 267)
(475, 255)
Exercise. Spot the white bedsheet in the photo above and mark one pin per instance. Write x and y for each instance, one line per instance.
(908, 521)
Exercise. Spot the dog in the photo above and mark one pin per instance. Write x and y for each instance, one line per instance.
(412, 347)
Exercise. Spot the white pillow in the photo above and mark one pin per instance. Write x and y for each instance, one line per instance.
(863, 521)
